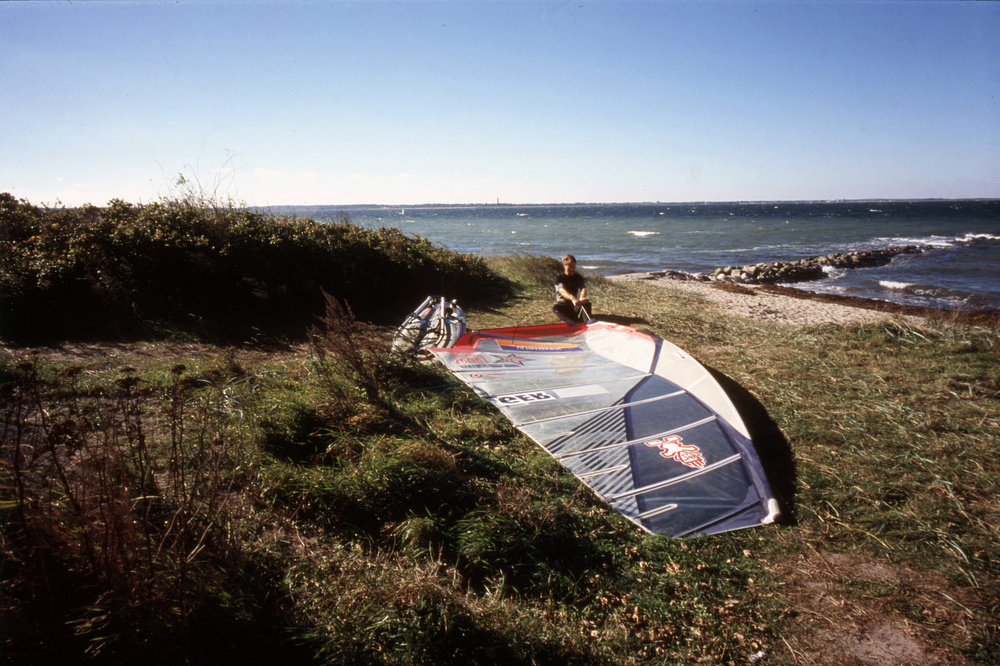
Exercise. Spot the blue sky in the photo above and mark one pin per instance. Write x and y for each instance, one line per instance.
(464, 102)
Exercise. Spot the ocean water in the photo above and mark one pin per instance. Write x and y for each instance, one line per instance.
(960, 267)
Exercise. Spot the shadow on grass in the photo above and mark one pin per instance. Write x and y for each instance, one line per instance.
(772, 448)
(621, 320)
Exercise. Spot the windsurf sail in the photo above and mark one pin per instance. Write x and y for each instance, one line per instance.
(634, 417)
(437, 322)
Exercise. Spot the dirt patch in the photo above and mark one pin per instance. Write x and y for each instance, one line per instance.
(848, 609)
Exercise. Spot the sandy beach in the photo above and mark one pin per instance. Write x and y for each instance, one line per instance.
(762, 305)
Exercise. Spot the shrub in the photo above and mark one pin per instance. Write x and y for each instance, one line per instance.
(229, 274)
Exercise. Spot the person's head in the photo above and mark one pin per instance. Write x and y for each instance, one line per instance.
(569, 264)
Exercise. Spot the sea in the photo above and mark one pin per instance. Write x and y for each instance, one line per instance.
(959, 267)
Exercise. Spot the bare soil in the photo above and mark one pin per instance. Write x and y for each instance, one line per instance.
(856, 610)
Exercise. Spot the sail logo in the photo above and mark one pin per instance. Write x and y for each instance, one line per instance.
(531, 345)
(524, 398)
(477, 360)
(673, 447)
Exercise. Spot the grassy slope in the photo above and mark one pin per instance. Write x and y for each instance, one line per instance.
(434, 533)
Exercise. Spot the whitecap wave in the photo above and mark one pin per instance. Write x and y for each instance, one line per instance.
(643, 234)
(933, 241)
(970, 237)
(893, 285)
(937, 241)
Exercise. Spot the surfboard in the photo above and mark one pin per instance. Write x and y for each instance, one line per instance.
(631, 415)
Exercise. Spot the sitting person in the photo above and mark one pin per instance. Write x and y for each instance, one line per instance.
(571, 305)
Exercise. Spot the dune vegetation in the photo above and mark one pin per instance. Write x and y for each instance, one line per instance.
(210, 454)
(181, 267)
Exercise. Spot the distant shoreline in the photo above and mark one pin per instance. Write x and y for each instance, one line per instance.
(798, 307)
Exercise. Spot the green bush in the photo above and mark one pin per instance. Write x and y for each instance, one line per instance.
(181, 268)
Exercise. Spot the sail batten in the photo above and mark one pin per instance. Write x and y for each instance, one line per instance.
(586, 476)
(656, 512)
(635, 418)
(668, 433)
(596, 411)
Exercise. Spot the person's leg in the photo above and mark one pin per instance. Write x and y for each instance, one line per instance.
(565, 312)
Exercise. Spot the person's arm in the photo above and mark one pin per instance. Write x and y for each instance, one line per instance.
(568, 296)
(581, 292)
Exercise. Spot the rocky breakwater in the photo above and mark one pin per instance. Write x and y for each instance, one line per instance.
(802, 270)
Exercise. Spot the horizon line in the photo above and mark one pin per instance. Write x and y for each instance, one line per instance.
(629, 203)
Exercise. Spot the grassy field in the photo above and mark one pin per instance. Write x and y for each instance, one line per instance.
(175, 501)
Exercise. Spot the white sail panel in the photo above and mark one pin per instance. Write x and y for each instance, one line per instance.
(631, 415)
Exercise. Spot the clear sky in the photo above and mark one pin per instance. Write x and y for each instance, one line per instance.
(404, 102)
